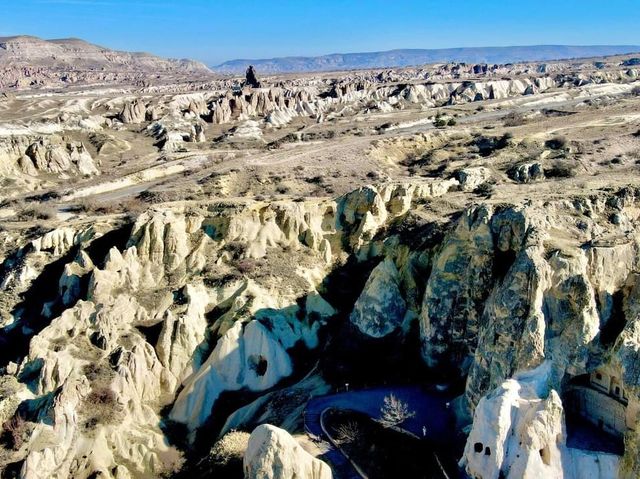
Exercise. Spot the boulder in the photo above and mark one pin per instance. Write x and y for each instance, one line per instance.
(133, 112)
(527, 173)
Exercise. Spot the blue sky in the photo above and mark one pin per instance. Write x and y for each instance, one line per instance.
(213, 31)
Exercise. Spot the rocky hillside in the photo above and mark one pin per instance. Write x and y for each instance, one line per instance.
(208, 279)
(412, 57)
(115, 333)
(31, 61)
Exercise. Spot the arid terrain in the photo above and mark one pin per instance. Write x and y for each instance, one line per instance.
(200, 277)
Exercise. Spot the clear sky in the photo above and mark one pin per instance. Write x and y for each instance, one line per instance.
(214, 31)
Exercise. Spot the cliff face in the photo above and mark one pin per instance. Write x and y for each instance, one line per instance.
(150, 324)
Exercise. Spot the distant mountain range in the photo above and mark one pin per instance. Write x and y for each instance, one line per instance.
(72, 54)
(413, 57)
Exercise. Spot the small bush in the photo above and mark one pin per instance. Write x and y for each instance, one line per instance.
(14, 432)
(514, 119)
(485, 189)
(440, 123)
(154, 197)
(636, 91)
(102, 396)
(315, 180)
(101, 407)
(348, 433)
(556, 143)
(504, 140)
(131, 205)
(229, 448)
(246, 265)
(561, 170)
(236, 248)
(451, 122)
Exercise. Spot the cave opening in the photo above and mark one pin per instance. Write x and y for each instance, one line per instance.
(502, 262)
(610, 331)
(259, 364)
(545, 455)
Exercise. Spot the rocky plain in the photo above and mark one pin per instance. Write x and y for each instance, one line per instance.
(190, 264)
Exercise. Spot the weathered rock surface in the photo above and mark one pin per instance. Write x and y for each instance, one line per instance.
(162, 322)
(519, 432)
(272, 453)
(380, 309)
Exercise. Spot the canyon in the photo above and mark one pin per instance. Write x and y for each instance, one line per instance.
(190, 264)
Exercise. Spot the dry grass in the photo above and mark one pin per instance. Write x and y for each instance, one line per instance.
(36, 212)
(514, 119)
(130, 205)
(15, 432)
(101, 407)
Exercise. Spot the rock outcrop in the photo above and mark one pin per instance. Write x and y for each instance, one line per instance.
(272, 453)
(380, 309)
(519, 432)
(133, 112)
(251, 79)
(159, 320)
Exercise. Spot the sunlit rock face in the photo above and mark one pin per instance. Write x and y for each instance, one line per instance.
(154, 323)
(272, 453)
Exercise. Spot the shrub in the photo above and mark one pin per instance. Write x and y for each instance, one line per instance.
(229, 449)
(514, 119)
(561, 170)
(452, 122)
(102, 396)
(131, 205)
(246, 265)
(504, 140)
(101, 407)
(315, 180)
(347, 433)
(236, 248)
(14, 432)
(153, 197)
(485, 189)
(36, 212)
(636, 91)
(556, 143)
(440, 123)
